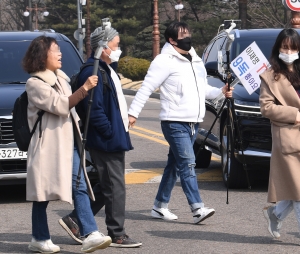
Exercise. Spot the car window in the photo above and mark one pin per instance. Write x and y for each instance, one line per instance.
(265, 45)
(71, 61)
(213, 52)
(206, 51)
(12, 53)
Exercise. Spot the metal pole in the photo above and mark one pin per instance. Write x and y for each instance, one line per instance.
(36, 17)
(156, 37)
(80, 36)
(88, 42)
(1, 16)
(30, 17)
(295, 19)
(36, 9)
(243, 13)
(178, 7)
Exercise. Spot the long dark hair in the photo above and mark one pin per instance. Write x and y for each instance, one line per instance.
(36, 56)
(291, 37)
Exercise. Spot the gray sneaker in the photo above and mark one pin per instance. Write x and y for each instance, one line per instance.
(71, 226)
(274, 223)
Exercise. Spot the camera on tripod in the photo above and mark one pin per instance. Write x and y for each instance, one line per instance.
(223, 67)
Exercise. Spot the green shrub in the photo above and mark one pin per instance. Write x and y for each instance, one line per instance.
(133, 68)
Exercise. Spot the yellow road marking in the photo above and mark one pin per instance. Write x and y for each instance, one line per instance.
(142, 176)
(148, 137)
(163, 142)
(149, 131)
(215, 159)
(214, 175)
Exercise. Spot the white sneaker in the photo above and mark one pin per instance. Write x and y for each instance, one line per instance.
(46, 246)
(95, 241)
(163, 213)
(202, 213)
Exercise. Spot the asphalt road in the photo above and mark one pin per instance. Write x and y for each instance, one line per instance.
(237, 227)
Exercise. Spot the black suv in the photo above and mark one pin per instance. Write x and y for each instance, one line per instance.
(13, 46)
(255, 131)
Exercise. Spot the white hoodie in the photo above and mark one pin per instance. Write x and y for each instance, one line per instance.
(183, 87)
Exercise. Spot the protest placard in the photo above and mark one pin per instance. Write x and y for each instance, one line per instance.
(248, 65)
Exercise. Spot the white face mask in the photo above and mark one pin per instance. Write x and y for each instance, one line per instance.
(114, 55)
(288, 58)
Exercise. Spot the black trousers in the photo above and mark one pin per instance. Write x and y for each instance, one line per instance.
(110, 191)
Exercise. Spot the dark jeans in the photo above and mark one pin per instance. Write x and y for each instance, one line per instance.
(110, 191)
(40, 230)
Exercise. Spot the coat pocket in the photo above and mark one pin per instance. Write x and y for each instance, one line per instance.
(290, 139)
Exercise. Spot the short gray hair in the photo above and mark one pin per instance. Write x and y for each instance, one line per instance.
(98, 35)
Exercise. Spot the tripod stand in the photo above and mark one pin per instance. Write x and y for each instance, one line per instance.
(231, 122)
(233, 135)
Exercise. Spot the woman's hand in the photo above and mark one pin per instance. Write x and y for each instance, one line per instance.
(297, 118)
(132, 121)
(228, 94)
(90, 83)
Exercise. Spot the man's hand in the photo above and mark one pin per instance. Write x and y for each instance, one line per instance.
(132, 121)
(228, 94)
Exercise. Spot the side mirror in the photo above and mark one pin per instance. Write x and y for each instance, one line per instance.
(212, 68)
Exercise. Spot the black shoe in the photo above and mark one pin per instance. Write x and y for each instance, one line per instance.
(124, 242)
(70, 225)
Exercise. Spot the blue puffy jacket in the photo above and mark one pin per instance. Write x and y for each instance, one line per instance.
(106, 130)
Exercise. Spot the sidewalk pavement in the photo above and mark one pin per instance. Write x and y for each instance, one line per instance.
(131, 87)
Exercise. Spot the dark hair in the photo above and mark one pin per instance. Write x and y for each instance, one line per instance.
(36, 55)
(173, 28)
(291, 37)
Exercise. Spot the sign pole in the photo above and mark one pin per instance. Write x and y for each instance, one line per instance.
(294, 7)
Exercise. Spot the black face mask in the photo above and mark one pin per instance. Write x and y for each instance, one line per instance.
(184, 44)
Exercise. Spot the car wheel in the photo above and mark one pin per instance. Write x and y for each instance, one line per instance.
(204, 157)
(237, 177)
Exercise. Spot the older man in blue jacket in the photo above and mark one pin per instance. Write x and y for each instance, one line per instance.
(107, 141)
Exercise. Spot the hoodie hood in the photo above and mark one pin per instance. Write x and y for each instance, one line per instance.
(169, 49)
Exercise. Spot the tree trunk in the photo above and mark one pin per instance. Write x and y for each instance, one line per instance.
(243, 13)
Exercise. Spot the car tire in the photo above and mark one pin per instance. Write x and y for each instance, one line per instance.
(204, 157)
(237, 178)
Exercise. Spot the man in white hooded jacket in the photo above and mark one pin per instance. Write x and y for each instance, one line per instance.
(180, 75)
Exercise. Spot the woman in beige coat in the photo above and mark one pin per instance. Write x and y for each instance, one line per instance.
(279, 101)
(53, 160)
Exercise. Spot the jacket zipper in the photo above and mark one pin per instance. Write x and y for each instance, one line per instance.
(197, 91)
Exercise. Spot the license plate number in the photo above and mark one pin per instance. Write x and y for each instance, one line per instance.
(12, 153)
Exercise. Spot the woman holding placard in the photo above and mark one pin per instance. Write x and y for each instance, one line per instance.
(280, 102)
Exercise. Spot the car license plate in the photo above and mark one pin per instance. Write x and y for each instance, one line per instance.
(12, 153)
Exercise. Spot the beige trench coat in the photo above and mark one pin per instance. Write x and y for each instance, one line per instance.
(280, 103)
(50, 157)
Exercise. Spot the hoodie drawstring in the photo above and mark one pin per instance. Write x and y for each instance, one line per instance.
(192, 126)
